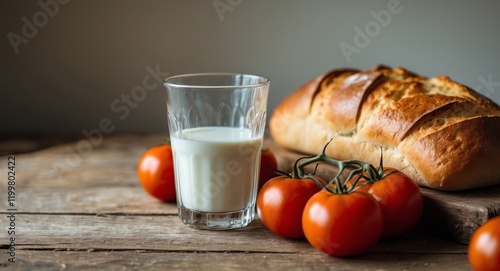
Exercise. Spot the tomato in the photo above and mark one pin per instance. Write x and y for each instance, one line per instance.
(267, 162)
(400, 199)
(280, 203)
(342, 224)
(484, 246)
(156, 172)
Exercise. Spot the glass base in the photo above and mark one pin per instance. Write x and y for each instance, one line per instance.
(216, 221)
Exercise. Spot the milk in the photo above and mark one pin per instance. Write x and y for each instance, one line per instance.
(216, 168)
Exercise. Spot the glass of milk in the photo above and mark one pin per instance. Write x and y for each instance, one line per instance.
(216, 123)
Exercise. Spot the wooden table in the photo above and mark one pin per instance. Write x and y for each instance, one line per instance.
(79, 206)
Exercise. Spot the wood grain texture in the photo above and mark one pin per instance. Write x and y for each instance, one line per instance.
(166, 232)
(82, 242)
(93, 214)
(453, 215)
(164, 260)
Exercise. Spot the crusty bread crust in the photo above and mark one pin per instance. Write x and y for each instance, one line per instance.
(439, 132)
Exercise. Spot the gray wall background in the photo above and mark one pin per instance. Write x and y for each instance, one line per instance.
(87, 56)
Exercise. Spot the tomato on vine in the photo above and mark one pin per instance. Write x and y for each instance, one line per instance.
(281, 200)
(400, 199)
(342, 220)
(342, 224)
(280, 203)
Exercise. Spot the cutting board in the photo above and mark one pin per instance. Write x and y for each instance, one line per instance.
(451, 215)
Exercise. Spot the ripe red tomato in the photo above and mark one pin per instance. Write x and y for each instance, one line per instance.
(156, 172)
(342, 224)
(484, 246)
(400, 199)
(267, 162)
(280, 203)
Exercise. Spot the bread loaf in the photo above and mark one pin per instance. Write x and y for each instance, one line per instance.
(439, 132)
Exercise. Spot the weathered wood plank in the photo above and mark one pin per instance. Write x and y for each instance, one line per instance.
(453, 215)
(457, 215)
(166, 232)
(165, 260)
(88, 200)
(102, 181)
(114, 161)
(111, 232)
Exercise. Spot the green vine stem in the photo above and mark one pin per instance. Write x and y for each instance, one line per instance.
(336, 186)
(359, 169)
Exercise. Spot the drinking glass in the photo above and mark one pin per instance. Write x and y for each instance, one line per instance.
(216, 124)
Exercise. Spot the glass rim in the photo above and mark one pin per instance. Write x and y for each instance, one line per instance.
(264, 80)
